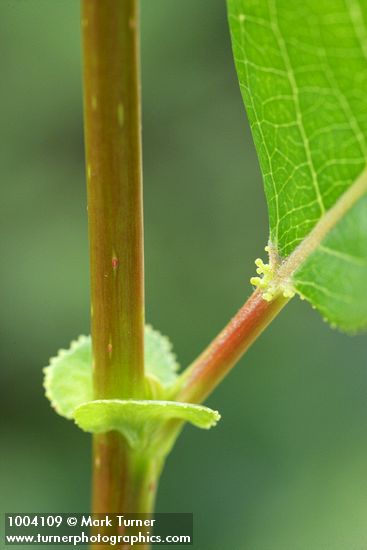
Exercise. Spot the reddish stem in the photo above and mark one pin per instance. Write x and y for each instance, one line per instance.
(112, 124)
(200, 379)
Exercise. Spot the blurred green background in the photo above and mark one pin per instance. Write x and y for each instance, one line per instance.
(286, 468)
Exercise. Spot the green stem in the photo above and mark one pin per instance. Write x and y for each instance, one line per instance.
(114, 182)
(112, 124)
(207, 371)
(124, 481)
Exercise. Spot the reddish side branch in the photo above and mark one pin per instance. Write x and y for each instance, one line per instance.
(223, 353)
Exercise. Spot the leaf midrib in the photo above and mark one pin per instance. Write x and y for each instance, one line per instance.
(325, 224)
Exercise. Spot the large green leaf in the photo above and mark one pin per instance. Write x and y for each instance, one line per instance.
(302, 68)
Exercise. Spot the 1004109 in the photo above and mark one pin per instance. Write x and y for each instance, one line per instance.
(36, 520)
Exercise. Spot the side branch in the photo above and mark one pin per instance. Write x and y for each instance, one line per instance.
(201, 378)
